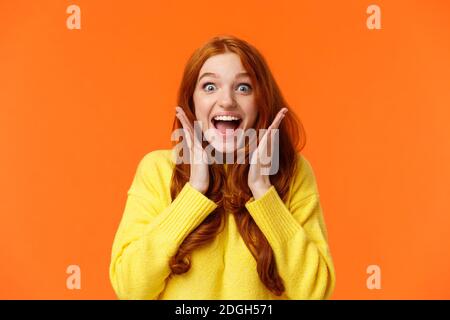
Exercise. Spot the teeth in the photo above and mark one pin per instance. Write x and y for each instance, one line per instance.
(226, 118)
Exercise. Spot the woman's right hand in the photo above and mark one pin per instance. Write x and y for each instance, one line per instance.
(199, 176)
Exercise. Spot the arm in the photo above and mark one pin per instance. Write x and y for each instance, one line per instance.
(150, 232)
(298, 237)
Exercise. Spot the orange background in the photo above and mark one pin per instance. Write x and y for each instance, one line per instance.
(80, 108)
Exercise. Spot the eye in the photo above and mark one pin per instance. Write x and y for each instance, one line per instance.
(208, 85)
(246, 86)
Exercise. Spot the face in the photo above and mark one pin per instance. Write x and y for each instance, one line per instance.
(224, 100)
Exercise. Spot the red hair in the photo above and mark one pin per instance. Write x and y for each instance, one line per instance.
(229, 190)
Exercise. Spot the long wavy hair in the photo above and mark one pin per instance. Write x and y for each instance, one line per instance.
(229, 189)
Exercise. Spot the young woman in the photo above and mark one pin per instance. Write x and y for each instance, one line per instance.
(201, 230)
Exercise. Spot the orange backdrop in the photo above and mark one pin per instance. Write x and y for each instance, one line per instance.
(80, 108)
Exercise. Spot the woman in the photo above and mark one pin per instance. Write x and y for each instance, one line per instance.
(200, 230)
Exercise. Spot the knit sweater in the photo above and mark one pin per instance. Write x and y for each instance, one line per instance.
(153, 227)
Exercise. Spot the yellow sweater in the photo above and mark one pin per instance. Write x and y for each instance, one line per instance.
(153, 227)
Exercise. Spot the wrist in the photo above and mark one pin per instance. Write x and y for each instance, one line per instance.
(259, 190)
(198, 187)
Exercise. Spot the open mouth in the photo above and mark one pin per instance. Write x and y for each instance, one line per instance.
(222, 123)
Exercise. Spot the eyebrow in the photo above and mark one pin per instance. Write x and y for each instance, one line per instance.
(210, 74)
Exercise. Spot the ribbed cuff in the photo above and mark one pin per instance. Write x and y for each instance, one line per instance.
(272, 217)
(185, 213)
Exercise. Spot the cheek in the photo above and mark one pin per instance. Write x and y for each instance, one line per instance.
(202, 108)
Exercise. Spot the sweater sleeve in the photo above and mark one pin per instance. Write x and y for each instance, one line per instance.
(298, 237)
(150, 232)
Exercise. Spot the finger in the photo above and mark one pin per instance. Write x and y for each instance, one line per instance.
(187, 129)
(184, 120)
(196, 132)
(180, 112)
(265, 145)
(276, 122)
(193, 141)
(184, 124)
(189, 125)
(280, 116)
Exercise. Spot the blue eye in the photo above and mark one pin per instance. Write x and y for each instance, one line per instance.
(245, 85)
(208, 84)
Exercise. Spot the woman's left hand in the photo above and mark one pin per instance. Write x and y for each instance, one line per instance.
(258, 182)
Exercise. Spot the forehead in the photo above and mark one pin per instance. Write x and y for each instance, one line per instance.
(223, 64)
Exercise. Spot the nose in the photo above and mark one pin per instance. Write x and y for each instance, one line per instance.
(226, 99)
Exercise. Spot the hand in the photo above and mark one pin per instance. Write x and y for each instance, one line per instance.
(199, 175)
(258, 182)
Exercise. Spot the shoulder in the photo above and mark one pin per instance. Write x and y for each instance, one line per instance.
(304, 182)
(157, 158)
(154, 171)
